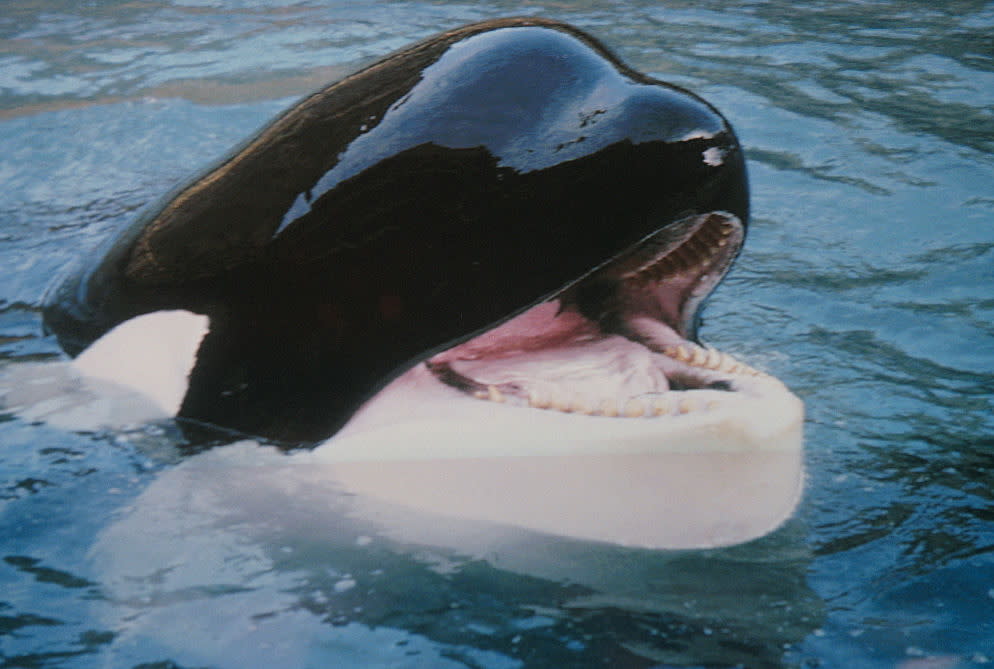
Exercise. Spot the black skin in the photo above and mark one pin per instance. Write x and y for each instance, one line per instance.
(465, 179)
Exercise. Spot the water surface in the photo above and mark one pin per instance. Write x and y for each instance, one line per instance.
(867, 285)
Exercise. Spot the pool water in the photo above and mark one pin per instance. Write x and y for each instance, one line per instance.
(867, 285)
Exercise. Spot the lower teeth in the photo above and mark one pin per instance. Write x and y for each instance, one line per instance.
(669, 403)
(708, 358)
(672, 403)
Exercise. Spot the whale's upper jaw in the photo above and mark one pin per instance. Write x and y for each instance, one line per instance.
(620, 343)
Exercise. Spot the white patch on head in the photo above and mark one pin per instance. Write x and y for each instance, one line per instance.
(152, 354)
(714, 156)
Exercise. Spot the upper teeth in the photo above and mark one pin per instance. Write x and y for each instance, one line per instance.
(695, 250)
(634, 407)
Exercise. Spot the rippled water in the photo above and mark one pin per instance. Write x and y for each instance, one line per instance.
(867, 285)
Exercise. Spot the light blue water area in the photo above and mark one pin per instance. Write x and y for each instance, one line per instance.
(867, 285)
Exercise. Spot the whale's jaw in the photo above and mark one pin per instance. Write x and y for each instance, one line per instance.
(593, 416)
(711, 476)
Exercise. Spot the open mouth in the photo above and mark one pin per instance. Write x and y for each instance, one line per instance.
(619, 343)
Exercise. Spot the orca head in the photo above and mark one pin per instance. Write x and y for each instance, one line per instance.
(511, 174)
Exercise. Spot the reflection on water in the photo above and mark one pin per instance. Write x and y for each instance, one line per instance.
(235, 522)
(866, 285)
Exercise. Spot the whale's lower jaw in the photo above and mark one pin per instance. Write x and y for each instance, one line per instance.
(592, 416)
(696, 480)
(417, 417)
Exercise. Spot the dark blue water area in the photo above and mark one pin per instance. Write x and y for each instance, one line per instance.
(866, 285)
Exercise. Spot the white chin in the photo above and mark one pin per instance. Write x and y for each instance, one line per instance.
(697, 480)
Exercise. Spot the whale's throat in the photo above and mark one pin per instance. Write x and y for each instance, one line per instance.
(621, 342)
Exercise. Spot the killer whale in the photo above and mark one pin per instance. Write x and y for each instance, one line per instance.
(414, 206)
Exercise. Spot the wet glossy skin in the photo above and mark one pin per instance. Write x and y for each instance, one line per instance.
(404, 209)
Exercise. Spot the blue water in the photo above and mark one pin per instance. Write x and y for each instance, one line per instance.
(867, 285)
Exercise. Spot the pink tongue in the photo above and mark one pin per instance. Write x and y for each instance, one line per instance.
(605, 368)
(555, 355)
